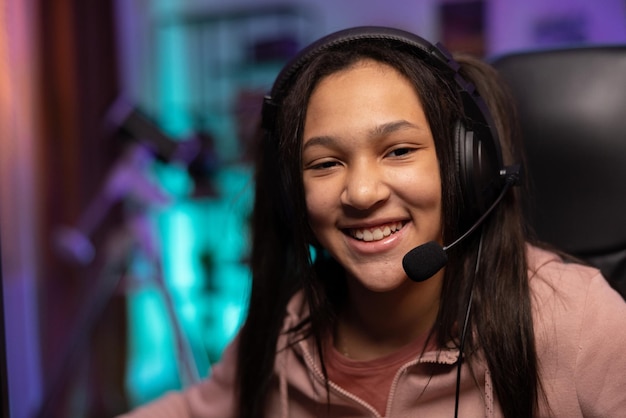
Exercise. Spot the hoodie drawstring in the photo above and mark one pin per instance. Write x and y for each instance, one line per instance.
(283, 387)
(489, 411)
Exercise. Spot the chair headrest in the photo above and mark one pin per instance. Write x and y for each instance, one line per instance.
(572, 105)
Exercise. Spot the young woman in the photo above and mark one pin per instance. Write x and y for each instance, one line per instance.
(374, 143)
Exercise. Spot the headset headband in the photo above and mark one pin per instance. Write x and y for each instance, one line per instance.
(436, 55)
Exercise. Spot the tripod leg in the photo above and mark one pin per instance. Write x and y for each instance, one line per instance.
(185, 358)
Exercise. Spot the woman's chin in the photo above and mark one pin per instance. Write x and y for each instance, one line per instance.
(379, 282)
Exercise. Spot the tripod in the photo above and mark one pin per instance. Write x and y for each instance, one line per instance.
(127, 181)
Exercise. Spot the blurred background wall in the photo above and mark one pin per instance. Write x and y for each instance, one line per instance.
(125, 129)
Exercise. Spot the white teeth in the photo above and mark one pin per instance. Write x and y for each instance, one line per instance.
(376, 234)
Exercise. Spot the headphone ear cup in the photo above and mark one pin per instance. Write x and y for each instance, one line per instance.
(464, 166)
(478, 169)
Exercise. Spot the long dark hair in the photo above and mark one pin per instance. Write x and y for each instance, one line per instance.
(501, 324)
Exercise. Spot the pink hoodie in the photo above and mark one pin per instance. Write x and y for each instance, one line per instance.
(580, 327)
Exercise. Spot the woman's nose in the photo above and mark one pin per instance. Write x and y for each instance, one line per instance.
(364, 187)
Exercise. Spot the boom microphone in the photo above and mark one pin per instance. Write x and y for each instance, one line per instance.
(423, 261)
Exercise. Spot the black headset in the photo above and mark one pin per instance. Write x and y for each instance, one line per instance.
(478, 152)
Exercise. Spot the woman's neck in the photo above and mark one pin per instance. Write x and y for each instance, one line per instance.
(374, 324)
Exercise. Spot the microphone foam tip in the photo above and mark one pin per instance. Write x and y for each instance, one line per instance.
(423, 261)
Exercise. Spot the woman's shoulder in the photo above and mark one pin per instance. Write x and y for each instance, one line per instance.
(552, 274)
(580, 331)
(571, 295)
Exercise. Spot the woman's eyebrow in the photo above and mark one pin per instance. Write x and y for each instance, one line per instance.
(377, 131)
(319, 141)
(387, 128)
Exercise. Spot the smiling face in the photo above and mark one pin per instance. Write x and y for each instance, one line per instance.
(370, 172)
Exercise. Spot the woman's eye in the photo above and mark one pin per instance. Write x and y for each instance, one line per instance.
(324, 165)
(399, 152)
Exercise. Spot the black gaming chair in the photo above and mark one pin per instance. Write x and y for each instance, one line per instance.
(572, 105)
